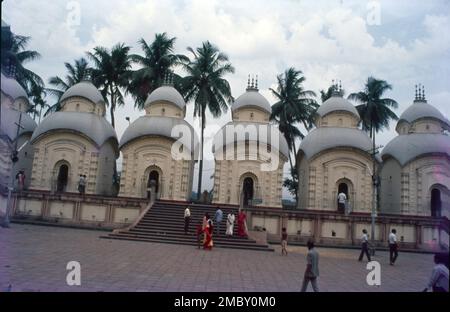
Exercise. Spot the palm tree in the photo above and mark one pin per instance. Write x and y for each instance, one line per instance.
(157, 61)
(38, 94)
(206, 87)
(76, 73)
(13, 57)
(111, 73)
(375, 111)
(295, 104)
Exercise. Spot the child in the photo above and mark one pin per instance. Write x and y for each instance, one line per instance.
(283, 242)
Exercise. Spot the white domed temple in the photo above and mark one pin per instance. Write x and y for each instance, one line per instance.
(150, 157)
(415, 178)
(335, 157)
(249, 154)
(77, 140)
(16, 130)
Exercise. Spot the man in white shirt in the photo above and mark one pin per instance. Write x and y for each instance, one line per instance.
(439, 276)
(393, 253)
(342, 198)
(312, 268)
(187, 219)
(364, 246)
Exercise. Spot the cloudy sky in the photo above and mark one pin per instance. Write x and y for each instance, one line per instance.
(404, 41)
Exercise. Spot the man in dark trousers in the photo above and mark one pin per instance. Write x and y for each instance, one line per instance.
(364, 246)
(393, 247)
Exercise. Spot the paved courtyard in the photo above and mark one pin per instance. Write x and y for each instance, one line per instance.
(34, 258)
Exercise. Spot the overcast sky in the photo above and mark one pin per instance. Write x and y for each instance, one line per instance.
(403, 42)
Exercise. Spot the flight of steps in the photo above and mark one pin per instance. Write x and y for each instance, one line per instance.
(164, 223)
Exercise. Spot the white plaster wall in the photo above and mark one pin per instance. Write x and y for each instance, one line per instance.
(126, 215)
(340, 228)
(295, 225)
(62, 210)
(29, 207)
(93, 212)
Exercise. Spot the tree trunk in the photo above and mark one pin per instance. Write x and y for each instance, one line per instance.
(112, 107)
(297, 180)
(200, 164)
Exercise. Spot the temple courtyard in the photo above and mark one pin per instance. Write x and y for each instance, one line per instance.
(34, 259)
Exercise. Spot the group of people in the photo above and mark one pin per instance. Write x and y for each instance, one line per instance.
(206, 226)
(439, 280)
(82, 184)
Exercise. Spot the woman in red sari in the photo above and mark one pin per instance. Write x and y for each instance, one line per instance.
(208, 242)
(242, 224)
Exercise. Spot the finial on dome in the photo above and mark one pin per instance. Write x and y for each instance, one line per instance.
(416, 96)
(252, 84)
(423, 93)
(337, 87)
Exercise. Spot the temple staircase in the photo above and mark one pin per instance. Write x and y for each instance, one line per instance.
(164, 223)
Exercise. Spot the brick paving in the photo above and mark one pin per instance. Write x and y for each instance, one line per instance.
(34, 258)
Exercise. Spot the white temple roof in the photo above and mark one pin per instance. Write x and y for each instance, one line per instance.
(83, 89)
(337, 103)
(12, 88)
(252, 98)
(166, 94)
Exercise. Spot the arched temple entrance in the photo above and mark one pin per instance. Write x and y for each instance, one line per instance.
(344, 186)
(62, 179)
(152, 182)
(436, 202)
(248, 190)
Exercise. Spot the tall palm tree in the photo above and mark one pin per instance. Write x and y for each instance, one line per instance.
(38, 94)
(111, 73)
(75, 73)
(295, 104)
(206, 87)
(13, 57)
(157, 61)
(375, 111)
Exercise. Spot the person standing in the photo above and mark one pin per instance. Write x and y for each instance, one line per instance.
(312, 268)
(218, 218)
(208, 242)
(230, 223)
(242, 224)
(364, 246)
(205, 221)
(439, 276)
(187, 219)
(342, 198)
(393, 247)
(284, 237)
(20, 176)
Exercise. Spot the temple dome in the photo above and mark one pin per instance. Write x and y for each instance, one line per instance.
(166, 94)
(12, 88)
(91, 125)
(157, 126)
(405, 148)
(252, 98)
(421, 109)
(321, 139)
(337, 103)
(83, 89)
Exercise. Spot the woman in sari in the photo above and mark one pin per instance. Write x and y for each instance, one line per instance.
(208, 242)
(242, 224)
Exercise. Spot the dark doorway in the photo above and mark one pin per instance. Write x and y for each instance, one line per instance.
(63, 175)
(436, 203)
(153, 178)
(248, 190)
(342, 188)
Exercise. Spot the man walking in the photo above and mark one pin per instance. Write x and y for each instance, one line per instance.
(393, 247)
(218, 218)
(342, 198)
(364, 246)
(187, 219)
(312, 268)
(439, 276)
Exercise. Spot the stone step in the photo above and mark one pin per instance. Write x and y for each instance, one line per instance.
(192, 242)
